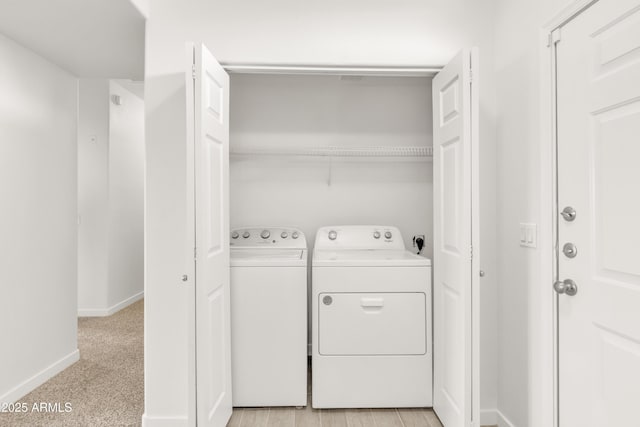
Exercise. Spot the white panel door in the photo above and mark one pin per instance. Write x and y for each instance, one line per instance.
(455, 180)
(598, 72)
(211, 159)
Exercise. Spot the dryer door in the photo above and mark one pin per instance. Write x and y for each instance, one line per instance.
(372, 324)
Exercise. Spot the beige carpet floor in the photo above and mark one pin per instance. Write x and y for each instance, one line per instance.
(106, 386)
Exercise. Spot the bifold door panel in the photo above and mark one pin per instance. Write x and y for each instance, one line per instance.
(372, 324)
(208, 91)
(455, 251)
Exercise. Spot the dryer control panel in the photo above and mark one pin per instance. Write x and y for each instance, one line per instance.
(341, 237)
(260, 237)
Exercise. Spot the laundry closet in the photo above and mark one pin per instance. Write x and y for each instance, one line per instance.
(352, 152)
(360, 164)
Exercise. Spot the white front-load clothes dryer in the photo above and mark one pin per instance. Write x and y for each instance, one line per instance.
(268, 317)
(371, 320)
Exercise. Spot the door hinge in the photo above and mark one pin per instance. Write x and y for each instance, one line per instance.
(553, 37)
(195, 253)
(471, 75)
(193, 71)
(471, 252)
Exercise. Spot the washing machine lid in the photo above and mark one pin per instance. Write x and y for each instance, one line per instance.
(368, 258)
(265, 257)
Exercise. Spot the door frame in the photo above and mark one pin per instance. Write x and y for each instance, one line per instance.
(190, 243)
(239, 68)
(316, 69)
(544, 373)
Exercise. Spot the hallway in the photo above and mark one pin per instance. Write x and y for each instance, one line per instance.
(105, 387)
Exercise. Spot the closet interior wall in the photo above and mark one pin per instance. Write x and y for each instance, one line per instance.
(293, 112)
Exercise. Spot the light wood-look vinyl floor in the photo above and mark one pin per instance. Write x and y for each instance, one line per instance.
(309, 417)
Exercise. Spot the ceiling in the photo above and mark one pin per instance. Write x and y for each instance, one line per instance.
(89, 38)
(136, 87)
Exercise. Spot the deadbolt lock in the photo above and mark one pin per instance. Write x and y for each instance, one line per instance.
(568, 213)
(570, 250)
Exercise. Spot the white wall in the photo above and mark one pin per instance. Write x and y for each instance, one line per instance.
(408, 32)
(110, 198)
(38, 292)
(518, 68)
(93, 194)
(142, 6)
(126, 197)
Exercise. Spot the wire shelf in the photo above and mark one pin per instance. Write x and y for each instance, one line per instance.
(333, 151)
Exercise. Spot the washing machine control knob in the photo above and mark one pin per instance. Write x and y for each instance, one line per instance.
(246, 235)
(284, 235)
(235, 235)
(333, 235)
(376, 234)
(387, 235)
(295, 235)
(265, 234)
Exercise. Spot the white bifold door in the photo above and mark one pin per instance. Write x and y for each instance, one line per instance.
(456, 249)
(598, 114)
(210, 95)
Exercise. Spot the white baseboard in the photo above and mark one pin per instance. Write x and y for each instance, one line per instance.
(40, 378)
(151, 421)
(488, 417)
(503, 421)
(102, 312)
(492, 417)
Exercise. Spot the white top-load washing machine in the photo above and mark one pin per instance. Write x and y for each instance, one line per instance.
(371, 320)
(269, 316)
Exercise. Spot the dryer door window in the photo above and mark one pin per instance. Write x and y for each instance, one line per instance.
(372, 324)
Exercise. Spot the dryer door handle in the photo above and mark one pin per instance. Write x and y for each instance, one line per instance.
(372, 302)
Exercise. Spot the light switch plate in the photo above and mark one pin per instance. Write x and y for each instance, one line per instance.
(528, 235)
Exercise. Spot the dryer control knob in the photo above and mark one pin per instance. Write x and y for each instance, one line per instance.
(284, 235)
(333, 235)
(295, 235)
(246, 234)
(265, 234)
(387, 235)
(376, 234)
(235, 235)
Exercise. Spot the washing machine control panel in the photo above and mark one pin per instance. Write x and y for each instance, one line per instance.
(359, 237)
(276, 237)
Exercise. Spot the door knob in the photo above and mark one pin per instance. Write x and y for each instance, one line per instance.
(568, 213)
(566, 286)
